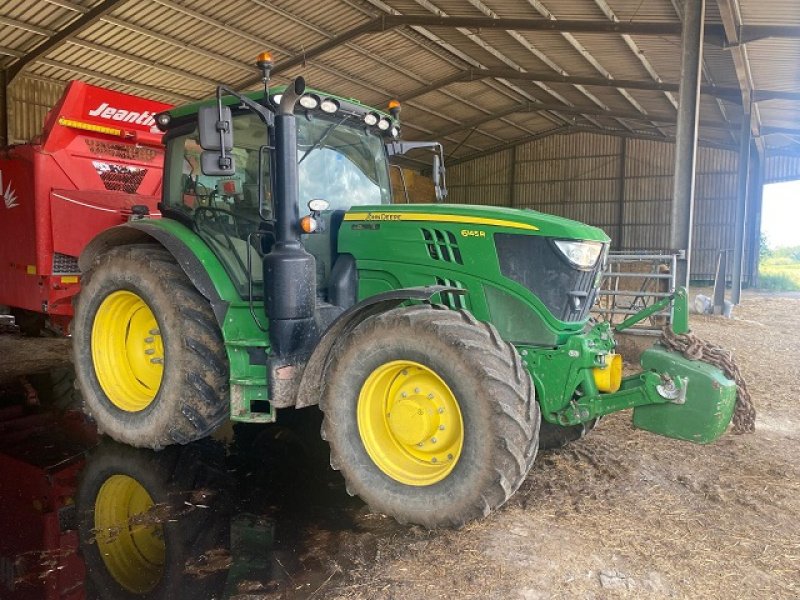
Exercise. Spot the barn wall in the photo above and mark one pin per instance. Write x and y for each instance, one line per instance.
(29, 99)
(621, 185)
(781, 168)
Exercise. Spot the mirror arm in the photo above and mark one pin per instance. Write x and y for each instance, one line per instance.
(442, 171)
(396, 148)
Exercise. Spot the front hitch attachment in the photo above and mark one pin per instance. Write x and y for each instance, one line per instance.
(673, 390)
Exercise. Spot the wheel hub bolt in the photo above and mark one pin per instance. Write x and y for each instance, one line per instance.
(433, 460)
(416, 390)
(155, 332)
(149, 351)
(449, 457)
(441, 410)
(441, 427)
(430, 396)
(148, 340)
(433, 440)
(403, 395)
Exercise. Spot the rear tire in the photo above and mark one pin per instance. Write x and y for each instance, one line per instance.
(381, 368)
(136, 308)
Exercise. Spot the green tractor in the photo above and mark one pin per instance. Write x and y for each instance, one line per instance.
(436, 338)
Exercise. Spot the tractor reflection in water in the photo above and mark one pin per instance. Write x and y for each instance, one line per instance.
(205, 520)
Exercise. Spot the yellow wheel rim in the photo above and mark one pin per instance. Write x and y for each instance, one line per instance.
(127, 351)
(410, 423)
(132, 550)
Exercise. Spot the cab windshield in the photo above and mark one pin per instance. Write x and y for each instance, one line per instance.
(339, 160)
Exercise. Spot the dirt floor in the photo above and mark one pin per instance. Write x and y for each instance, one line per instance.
(619, 514)
(624, 513)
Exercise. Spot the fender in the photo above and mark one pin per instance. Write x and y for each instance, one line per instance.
(192, 255)
(312, 380)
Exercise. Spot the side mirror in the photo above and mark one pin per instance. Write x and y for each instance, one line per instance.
(439, 185)
(214, 163)
(215, 133)
(215, 126)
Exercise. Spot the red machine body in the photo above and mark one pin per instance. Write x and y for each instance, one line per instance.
(99, 155)
(41, 455)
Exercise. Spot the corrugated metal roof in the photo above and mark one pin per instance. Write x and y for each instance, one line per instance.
(177, 50)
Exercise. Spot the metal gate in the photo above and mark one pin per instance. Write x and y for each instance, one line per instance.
(632, 281)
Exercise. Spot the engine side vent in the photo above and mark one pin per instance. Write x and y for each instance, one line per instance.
(442, 245)
(64, 264)
(454, 301)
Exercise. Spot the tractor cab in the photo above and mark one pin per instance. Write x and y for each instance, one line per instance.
(340, 159)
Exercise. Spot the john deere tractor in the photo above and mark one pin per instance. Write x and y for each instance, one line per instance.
(436, 338)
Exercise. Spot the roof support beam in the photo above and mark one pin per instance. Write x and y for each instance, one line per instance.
(728, 93)
(637, 135)
(530, 107)
(505, 145)
(713, 32)
(84, 21)
(389, 22)
(751, 33)
(770, 130)
(568, 129)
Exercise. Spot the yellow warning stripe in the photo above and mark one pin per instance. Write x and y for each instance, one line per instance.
(462, 219)
(89, 126)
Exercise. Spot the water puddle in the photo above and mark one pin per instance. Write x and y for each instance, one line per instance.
(257, 515)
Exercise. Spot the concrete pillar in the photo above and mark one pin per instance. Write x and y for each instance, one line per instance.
(686, 137)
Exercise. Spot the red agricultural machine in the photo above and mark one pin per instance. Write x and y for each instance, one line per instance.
(98, 163)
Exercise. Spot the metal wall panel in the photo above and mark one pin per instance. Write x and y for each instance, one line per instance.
(483, 181)
(578, 176)
(781, 168)
(29, 99)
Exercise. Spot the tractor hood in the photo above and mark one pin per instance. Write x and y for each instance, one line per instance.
(528, 221)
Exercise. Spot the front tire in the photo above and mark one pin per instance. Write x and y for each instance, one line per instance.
(149, 354)
(430, 416)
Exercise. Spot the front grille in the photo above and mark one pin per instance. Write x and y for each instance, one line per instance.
(64, 264)
(534, 262)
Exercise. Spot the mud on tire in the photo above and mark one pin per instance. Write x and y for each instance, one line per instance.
(494, 393)
(192, 399)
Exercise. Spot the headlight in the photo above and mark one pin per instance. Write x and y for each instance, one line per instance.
(309, 101)
(384, 124)
(329, 105)
(581, 254)
(371, 119)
